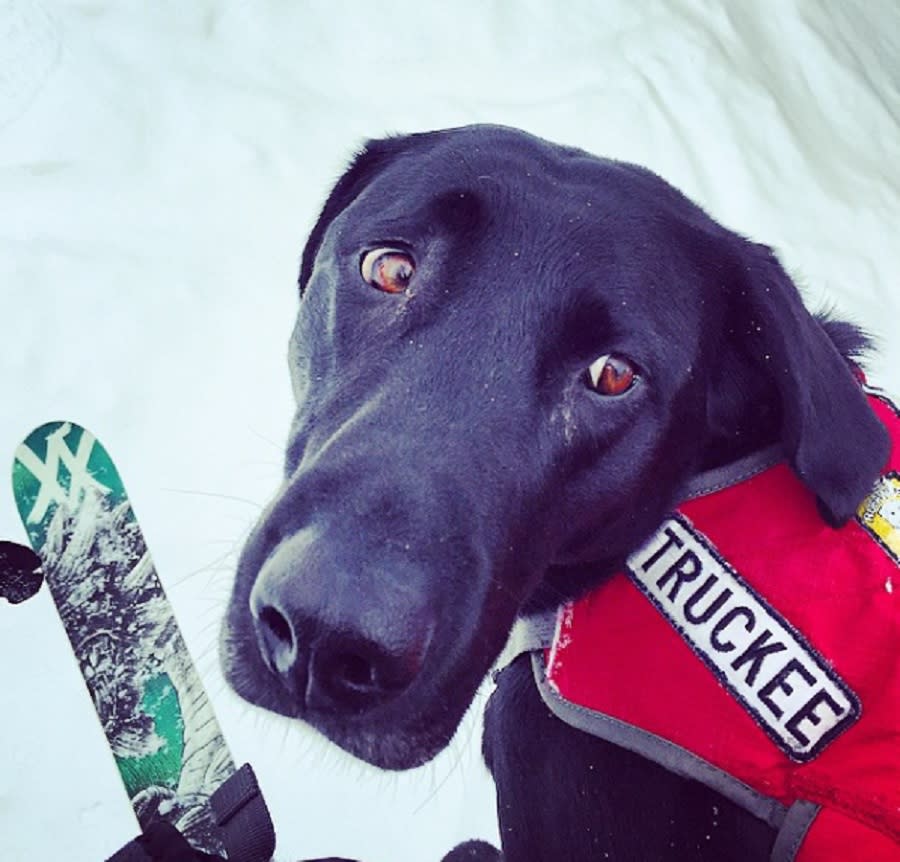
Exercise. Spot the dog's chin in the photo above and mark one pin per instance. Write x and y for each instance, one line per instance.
(395, 748)
(392, 749)
(395, 739)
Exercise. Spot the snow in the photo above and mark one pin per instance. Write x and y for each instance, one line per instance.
(159, 167)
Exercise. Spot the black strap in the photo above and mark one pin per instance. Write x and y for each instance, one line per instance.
(242, 815)
(161, 842)
(131, 852)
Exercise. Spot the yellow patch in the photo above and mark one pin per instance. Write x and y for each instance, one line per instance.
(879, 514)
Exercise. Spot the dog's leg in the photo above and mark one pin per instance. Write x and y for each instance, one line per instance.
(563, 794)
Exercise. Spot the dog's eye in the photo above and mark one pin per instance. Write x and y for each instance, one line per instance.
(387, 269)
(611, 375)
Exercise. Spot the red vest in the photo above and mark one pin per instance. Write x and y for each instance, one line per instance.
(753, 647)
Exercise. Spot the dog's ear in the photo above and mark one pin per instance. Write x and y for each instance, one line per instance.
(832, 438)
(366, 165)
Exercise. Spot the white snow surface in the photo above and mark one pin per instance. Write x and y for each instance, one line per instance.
(160, 164)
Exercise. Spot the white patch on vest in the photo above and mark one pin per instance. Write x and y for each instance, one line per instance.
(784, 684)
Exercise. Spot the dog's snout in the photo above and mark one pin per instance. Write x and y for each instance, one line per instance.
(335, 670)
(333, 639)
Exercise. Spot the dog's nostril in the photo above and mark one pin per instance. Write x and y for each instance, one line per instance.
(276, 640)
(354, 676)
(353, 672)
(277, 626)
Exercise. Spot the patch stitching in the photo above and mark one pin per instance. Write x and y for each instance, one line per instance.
(821, 665)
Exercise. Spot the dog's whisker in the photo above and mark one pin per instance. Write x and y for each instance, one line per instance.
(460, 749)
(216, 495)
(214, 567)
(278, 447)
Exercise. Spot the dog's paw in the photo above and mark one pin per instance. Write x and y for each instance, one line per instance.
(474, 851)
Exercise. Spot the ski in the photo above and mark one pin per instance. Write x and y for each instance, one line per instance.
(158, 720)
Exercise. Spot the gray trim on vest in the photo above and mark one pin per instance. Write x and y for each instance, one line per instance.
(530, 633)
(731, 474)
(661, 751)
(796, 824)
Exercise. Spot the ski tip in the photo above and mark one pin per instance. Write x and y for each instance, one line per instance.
(40, 439)
(36, 461)
(38, 444)
(55, 464)
(20, 572)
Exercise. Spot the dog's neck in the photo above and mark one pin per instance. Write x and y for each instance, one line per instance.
(757, 431)
(743, 413)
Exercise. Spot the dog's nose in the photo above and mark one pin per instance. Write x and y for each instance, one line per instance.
(334, 668)
(341, 635)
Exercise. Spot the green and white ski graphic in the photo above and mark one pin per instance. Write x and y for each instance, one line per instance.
(155, 713)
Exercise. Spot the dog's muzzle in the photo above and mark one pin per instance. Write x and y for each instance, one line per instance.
(342, 635)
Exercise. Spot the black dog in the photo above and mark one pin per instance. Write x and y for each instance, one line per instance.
(508, 359)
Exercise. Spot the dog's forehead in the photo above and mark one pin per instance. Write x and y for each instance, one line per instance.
(475, 149)
(553, 228)
(505, 167)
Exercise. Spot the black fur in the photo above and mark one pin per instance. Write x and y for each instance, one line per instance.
(448, 467)
(563, 794)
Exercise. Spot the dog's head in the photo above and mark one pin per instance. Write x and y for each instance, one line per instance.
(508, 357)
